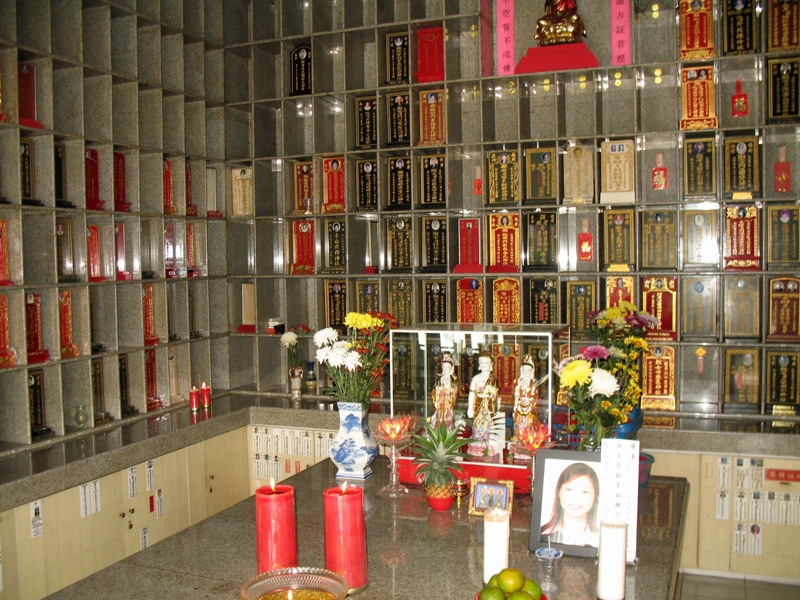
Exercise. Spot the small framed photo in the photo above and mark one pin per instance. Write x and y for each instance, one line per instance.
(488, 493)
(566, 508)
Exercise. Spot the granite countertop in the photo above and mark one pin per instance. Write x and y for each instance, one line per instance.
(413, 552)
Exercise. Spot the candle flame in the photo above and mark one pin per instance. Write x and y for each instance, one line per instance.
(344, 487)
(272, 483)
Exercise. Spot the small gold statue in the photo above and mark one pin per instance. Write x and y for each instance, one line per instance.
(561, 23)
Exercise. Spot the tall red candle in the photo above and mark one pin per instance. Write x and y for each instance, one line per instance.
(276, 528)
(194, 399)
(205, 395)
(346, 535)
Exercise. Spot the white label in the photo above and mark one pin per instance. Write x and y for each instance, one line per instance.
(756, 507)
(308, 444)
(144, 537)
(133, 483)
(160, 504)
(771, 508)
(757, 473)
(320, 446)
(786, 510)
(743, 473)
(754, 539)
(739, 538)
(740, 505)
(150, 474)
(620, 495)
(724, 472)
(95, 489)
(35, 508)
(723, 505)
(83, 499)
(257, 441)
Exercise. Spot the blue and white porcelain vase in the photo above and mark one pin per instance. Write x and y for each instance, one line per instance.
(353, 448)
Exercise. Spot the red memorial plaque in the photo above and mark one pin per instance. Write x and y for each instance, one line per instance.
(469, 246)
(506, 369)
(782, 173)
(3, 116)
(697, 29)
(191, 261)
(659, 298)
(69, 349)
(303, 188)
(191, 209)
(784, 310)
(506, 301)
(742, 238)
(169, 200)
(333, 200)
(148, 316)
(619, 289)
(120, 191)
(698, 97)
(469, 300)
(504, 254)
(4, 273)
(92, 173)
(26, 82)
(93, 253)
(170, 263)
(658, 379)
(8, 358)
(430, 54)
(303, 247)
(151, 381)
(33, 328)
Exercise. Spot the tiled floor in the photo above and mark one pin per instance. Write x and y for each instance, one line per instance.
(701, 587)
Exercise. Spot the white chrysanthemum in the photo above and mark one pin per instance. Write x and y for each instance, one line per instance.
(352, 360)
(325, 337)
(618, 352)
(289, 339)
(336, 356)
(603, 383)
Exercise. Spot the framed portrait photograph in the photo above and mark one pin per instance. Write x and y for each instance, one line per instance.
(488, 493)
(566, 508)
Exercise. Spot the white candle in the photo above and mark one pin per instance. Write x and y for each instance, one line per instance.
(495, 541)
(611, 561)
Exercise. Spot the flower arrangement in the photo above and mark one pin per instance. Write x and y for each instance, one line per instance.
(356, 365)
(294, 345)
(602, 382)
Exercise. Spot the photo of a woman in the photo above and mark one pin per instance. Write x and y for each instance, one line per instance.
(573, 519)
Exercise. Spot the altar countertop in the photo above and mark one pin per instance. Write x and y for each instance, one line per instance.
(414, 553)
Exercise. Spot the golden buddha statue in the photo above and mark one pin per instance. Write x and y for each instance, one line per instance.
(561, 23)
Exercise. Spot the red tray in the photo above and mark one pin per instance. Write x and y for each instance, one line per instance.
(519, 474)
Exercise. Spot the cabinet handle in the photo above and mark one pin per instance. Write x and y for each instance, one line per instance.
(211, 477)
(131, 510)
(130, 525)
(122, 515)
(211, 490)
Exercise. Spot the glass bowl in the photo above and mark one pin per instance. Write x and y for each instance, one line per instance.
(297, 578)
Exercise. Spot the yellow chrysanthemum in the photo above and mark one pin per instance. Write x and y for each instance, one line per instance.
(354, 320)
(578, 372)
(606, 405)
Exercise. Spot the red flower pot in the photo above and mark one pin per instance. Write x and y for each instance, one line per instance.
(441, 503)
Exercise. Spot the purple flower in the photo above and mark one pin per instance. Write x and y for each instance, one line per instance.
(595, 352)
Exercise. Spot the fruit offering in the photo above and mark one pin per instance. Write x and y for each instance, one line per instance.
(510, 584)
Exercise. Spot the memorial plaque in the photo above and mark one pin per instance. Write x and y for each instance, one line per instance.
(578, 181)
(366, 122)
(248, 309)
(98, 393)
(784, 310)
(432, 130)
(432, 181)
(399, 244)
(542, 174)
(367, 185)
(742, 168)
(191, 209)
(700, 245)
(740, 27)
(434, 244)
(91, 162)
(430, 54)
(242, 192)
(301, 71)
(544, 302)
(335, 246)
(782, 173)
(580, 298)
(742, 374)
(469, 300)
(742, 307)
(698, 98)
(397, 58)
(60, 176)
(399, 193)
(368, 295)
(506, 301)
(503, 177)
(336, 304)
(27, 173)
(5, 277)
(742, 238)
(151, 380)
(504, 251)
(619, 246)
(401, 301)
(303, 246)
(658, 379)
(699, 310)
(697, 29)
(69, 349)
(659, 239)
(467, 369)
(506, 359)
(170, 260)
(93, 253)
(699, 167)
(36, 405)
(33, 329)
(148, 316)
(191, 251)
(120, 185)
(542, 248)
(660, 299)
(399, 121)
(783, 370)
(169, 189)
(65, 262)
(333, 194)
(783, 243)
(303, 188)
(8, 356)
(783, 21)
(26, 86)
(617, 172)
(783, 89)
(434, 301)
(619, 289)
(469, 246)
(403, 369)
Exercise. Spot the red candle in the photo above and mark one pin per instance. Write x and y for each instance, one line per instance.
(346, 535)
(195, 417)
(205, 395)
(276, 528)
(194, 399)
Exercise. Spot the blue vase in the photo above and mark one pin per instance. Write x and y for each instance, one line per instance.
(353, 449)
(628, 431)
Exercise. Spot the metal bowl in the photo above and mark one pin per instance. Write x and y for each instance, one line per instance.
(297, 578)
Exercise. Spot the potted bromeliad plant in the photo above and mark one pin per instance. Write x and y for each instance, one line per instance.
(438, 456)
(355, 366)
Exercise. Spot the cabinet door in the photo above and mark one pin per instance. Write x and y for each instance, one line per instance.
(226, 470)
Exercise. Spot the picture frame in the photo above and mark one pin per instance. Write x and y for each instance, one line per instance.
(483, 494)
(577, 473)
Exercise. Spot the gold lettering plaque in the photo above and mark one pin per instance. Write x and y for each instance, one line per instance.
(301, 71)
(303, 188)
(403, 368)
(578, 181)
(242, 192)
(660, 299)
(398, 107)
(658, 379)
(699, 167)
(619, 289)
(506, 359)
(431, 118)
(699, 307)
(783, 19)
(506, 301)
(368, 295)
(619, 230)
(617, 172)
(333, 194)
(401, 301)
(399, 170)
(742, 374)
(435, 301)
(544, 301)
(581, 298)
(697, 29)
(336, 304)
(542, 174)
(700, 244)
(397, 58)
(742, 307)
(432, 181)
(742, 238)
(434, 244)
(740, 27)
(303, 247)
(783, 370)
(742, 168)
(784, 310)
(783, 88)
(469, 300)
(698, 98)
(366, 122)
(503, 177)
(783, 243)
(542, 250)
(399, 244)
(659, 241)
(335, 246)
(504, 256)
(367, 185)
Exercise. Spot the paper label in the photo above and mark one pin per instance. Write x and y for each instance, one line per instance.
(144, 538)
(35, 509)
(133, 483)
(160, 504)
(150, 473)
